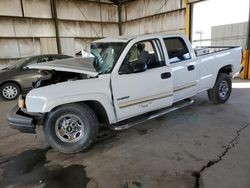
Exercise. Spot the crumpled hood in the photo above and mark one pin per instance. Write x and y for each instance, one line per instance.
(76, 65)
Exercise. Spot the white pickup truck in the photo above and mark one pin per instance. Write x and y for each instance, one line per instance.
(125, 81)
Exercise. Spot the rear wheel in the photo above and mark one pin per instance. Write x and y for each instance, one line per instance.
(71, 128)
(222, 89)
(10, 91)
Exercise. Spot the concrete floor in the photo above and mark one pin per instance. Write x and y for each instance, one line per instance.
(203, 145)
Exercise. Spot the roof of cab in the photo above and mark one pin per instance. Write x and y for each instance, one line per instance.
(128, 38)
(114, 39)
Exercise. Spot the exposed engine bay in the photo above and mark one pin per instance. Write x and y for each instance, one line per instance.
(50, 77)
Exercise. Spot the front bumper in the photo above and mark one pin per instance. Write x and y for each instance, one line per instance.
(22, 121)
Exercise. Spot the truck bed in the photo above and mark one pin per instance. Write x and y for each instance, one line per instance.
(205, 50)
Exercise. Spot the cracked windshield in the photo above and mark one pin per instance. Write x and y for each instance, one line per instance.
(106, 55)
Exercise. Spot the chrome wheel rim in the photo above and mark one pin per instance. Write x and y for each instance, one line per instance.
(69, 128)
(223, 89)
(10, 92)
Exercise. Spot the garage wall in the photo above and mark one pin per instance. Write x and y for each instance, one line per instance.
(28, 28)
(81, 22)
(230, 35)
(148, 16)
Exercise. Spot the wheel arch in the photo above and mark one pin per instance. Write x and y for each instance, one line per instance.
(12, 81)
(96, 106)
(99, 110)
(227, 69)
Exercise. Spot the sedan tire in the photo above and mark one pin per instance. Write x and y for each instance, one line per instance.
(10, 91)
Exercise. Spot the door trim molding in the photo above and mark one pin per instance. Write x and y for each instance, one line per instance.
(185, 86)
(144, 99)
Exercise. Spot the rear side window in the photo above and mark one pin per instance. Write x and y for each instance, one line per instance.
(50, 58)
(59, 58)
(177, 49)
(42, 59)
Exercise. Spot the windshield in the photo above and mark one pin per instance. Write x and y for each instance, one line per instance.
(18, 64)
(106, 55)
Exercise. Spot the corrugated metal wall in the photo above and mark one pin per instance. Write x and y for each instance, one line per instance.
(230, 35)
(147, 16)
(33, 31)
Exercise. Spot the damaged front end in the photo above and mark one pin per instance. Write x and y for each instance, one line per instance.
(64, 70)
(51, 73)
(50, 77)
(23, 121)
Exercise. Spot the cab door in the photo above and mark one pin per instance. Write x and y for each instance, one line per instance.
(183, 68)
(143, 81)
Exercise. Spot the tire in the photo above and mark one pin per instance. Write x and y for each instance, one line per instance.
(222, 89)
(10, 91)
(71, 128)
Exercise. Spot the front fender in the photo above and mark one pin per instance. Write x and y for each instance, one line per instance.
(45, 99)
(42, 104)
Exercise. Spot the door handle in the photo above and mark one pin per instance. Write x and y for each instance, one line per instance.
(166, 75)
(191, 67)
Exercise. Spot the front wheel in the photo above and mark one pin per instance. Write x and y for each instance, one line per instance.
(71, 128)
(222, 89)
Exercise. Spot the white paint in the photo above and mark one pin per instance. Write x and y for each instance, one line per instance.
(137, 86)
(45, 99)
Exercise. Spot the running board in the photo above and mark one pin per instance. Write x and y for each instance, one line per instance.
(175, 106)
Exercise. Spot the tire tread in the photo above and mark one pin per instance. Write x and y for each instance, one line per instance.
(213, 92)
(90, 115)
(13, 84)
